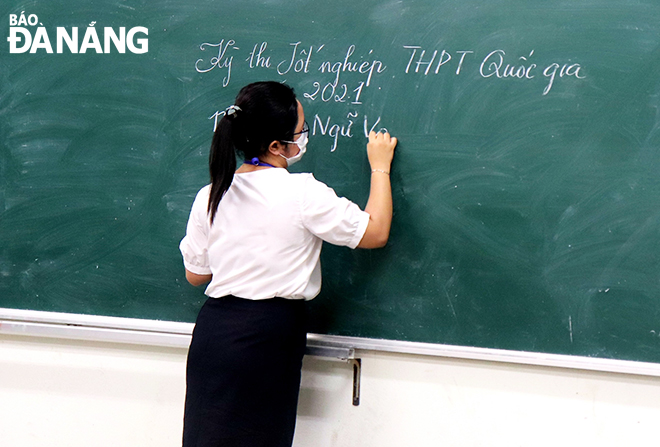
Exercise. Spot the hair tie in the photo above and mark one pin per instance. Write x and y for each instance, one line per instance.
(231, 110)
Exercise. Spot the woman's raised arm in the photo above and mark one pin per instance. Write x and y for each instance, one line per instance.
(380, 151)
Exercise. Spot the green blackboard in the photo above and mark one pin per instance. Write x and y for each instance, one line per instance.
(526, 190)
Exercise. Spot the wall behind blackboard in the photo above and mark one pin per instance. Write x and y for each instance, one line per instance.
(525, 183)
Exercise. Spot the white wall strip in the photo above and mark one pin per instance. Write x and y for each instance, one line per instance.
(175, 334)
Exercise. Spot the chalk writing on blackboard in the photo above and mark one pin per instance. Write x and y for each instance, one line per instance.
(221, 61)
(346, 75)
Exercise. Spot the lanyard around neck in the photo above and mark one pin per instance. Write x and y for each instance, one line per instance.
(256, 162)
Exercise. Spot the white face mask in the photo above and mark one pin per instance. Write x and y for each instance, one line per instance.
(301, 142)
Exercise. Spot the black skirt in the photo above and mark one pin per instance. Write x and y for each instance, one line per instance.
(243, 373)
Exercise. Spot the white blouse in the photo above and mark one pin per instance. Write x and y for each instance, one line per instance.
(267, 234)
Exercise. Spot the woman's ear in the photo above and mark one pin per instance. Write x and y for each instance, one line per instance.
(276, 147)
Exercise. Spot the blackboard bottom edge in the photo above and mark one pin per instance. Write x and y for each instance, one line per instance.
(177, 335)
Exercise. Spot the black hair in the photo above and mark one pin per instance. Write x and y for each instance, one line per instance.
(266, 112)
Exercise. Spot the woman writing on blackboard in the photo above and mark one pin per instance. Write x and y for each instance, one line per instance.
(255, 235)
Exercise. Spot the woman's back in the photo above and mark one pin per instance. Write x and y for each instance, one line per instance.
(267, 234)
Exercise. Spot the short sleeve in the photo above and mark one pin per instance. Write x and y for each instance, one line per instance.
(334, 219)
(194, 246)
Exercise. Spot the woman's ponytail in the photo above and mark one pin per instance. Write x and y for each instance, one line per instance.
(222, 163)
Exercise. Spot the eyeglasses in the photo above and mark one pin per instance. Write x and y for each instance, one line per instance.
(305, 129)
